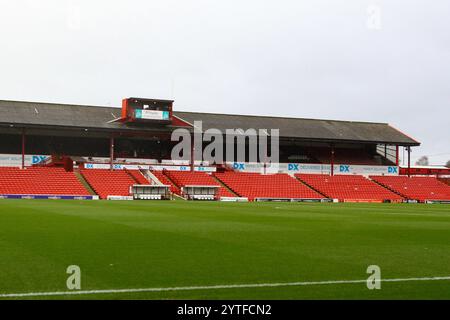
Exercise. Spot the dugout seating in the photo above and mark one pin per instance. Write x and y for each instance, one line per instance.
(349, 188)
(185, 178)
(275, 186)
(40, 181)
(165, 181)
(108, 183)
(416, 188)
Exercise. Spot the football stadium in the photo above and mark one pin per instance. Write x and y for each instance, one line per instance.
(98, 188)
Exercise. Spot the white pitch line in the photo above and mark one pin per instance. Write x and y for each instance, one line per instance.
(192, 288)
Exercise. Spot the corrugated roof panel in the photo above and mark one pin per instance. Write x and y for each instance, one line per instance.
(15, 112)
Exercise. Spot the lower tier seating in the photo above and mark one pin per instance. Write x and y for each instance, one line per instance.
(109, 183)
(416, 188)
(165, 181)
(184, 178)
(349, 188)
(138, 176)
(255, 185)
(40, 181)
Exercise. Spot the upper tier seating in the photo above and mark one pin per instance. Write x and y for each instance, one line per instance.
(138, 176)
(109, 183)
(165, 181)
(255, 185)
(40, 181)
(416, 188)
(348, 188)
(185, 178)
(344, 156)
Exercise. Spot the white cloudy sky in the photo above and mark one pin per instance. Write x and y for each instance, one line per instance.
(335, 59)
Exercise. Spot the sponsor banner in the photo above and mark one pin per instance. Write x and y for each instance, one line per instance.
(147, 167)
(256, 167)
(182, 168)
(120, 198)
(151, 114)
(100, 166)
(135, 161)
(234, 199)
(46, 197)
(15, 160)
(366, 170)
(312, 168)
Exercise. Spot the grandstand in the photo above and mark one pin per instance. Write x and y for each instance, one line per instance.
(53, 150)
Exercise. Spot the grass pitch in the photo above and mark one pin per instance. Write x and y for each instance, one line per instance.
(145, 244)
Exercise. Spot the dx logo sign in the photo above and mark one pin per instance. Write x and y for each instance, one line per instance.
(344, 168)
(293, 167)
(393, 170)
(238, 166)
(38, 159)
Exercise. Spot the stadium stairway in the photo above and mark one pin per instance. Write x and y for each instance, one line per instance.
(273, 186)
(415, 188)
(349, 188)
(83, 181)
(137, 176)
(223, 185)
(40, 181)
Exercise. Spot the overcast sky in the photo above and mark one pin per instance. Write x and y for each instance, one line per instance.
(384, 61)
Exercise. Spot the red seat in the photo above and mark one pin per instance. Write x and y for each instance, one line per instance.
(109, 183)
(349, 188)
(255, 185)
(138, 176)
(416, 188)
(40, 181)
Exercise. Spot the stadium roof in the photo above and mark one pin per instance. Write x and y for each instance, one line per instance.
(77, 116)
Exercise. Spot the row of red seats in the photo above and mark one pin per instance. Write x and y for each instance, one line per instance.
(255, 185)
(416, 188)
(138, 176)
(185, 178)
(40, 181)
(109, 183)
(349, 188)
(165, 181)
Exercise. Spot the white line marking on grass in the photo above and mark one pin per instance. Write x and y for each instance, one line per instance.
(192, 288)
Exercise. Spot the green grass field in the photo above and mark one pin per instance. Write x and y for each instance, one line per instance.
(125, 245)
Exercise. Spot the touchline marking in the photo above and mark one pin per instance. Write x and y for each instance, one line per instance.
(230, 286)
